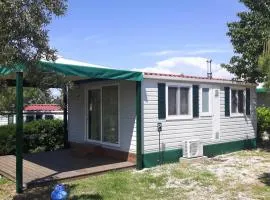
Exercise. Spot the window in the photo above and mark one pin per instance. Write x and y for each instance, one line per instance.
(184, 110)
(172, 96)
(29, 118)
(10, 119)
(48, 116)
(205, 100)
(237, 101)
(178, 101)
(110, 114)
(38, 116)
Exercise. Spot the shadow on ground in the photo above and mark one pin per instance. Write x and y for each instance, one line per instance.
(265, 178)
(87, 197)
(44, 193)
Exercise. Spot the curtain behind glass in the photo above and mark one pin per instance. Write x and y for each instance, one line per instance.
(184, 101)
(172, 92)
(94, 115)
(234, 101)
(240, 101)
(110, 114)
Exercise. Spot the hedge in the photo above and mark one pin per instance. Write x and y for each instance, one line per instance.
(263, 120)
(41, 135)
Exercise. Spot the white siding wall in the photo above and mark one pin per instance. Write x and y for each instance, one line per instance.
(238, 128)
(77, 113)
(3, 120)
(176, 131)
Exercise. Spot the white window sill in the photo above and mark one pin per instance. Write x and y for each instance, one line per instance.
(206, 115)
(237, 115)
(178, 117)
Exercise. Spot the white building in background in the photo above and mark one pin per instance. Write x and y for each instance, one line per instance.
(35, 112)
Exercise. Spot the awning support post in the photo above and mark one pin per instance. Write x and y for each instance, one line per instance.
(65, 103)
(139, 164)
(19, 131)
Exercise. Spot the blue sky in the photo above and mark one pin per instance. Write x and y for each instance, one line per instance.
(155, 35)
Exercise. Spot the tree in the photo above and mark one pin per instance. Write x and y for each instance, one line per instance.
(31, 96)
(24, 40)
(248, 36)
(24, 37)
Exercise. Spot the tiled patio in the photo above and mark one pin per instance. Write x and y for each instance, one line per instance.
(44, 167)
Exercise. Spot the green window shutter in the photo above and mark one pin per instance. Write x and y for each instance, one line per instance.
(161, 101)
(247, 101)
(195, 101)
(227, 101)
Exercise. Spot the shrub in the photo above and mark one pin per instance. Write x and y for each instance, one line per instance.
(41, 135)
(263, 119)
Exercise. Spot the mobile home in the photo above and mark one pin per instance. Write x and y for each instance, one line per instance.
(180, 116)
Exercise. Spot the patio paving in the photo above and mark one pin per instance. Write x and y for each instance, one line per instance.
(40, 168)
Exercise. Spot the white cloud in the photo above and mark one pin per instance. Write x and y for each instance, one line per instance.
(189, 66)
(186, 52)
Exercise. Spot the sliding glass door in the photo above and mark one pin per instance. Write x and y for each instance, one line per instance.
(103, 116)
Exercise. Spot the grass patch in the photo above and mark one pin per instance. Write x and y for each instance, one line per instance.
(250, 153)
(261, 191)
(120, 185)
(3, 180)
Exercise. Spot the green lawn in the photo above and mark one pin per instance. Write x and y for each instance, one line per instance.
(242, 175)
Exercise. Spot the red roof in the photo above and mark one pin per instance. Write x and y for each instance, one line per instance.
(183, 76)
(42, 107)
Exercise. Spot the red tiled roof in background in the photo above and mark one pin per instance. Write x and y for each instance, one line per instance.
(183, 76)
(42, 107)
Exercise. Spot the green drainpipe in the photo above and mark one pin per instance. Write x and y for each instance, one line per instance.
(19, 131)
(138, 126)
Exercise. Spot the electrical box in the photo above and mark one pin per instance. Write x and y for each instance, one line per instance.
(159, 126)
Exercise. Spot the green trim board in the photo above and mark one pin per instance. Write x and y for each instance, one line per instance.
(19, 132)
(81, 71)
(139, 164)
(171, 156)
(228, 147)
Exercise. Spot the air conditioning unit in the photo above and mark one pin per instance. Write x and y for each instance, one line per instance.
(192, 149)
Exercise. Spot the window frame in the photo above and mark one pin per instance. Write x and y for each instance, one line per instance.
(190, 100)
(237, 114)
(210, 100)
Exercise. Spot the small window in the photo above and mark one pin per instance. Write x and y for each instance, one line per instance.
(205, 100)
(38, 116)
(49, 117)
(237, 101)
(29, 118)
(179, 101)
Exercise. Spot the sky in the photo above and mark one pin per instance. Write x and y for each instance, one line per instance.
(170, 36)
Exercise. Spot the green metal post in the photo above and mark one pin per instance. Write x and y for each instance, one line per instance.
(19, 131)
(66, 144)
(138, 126)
